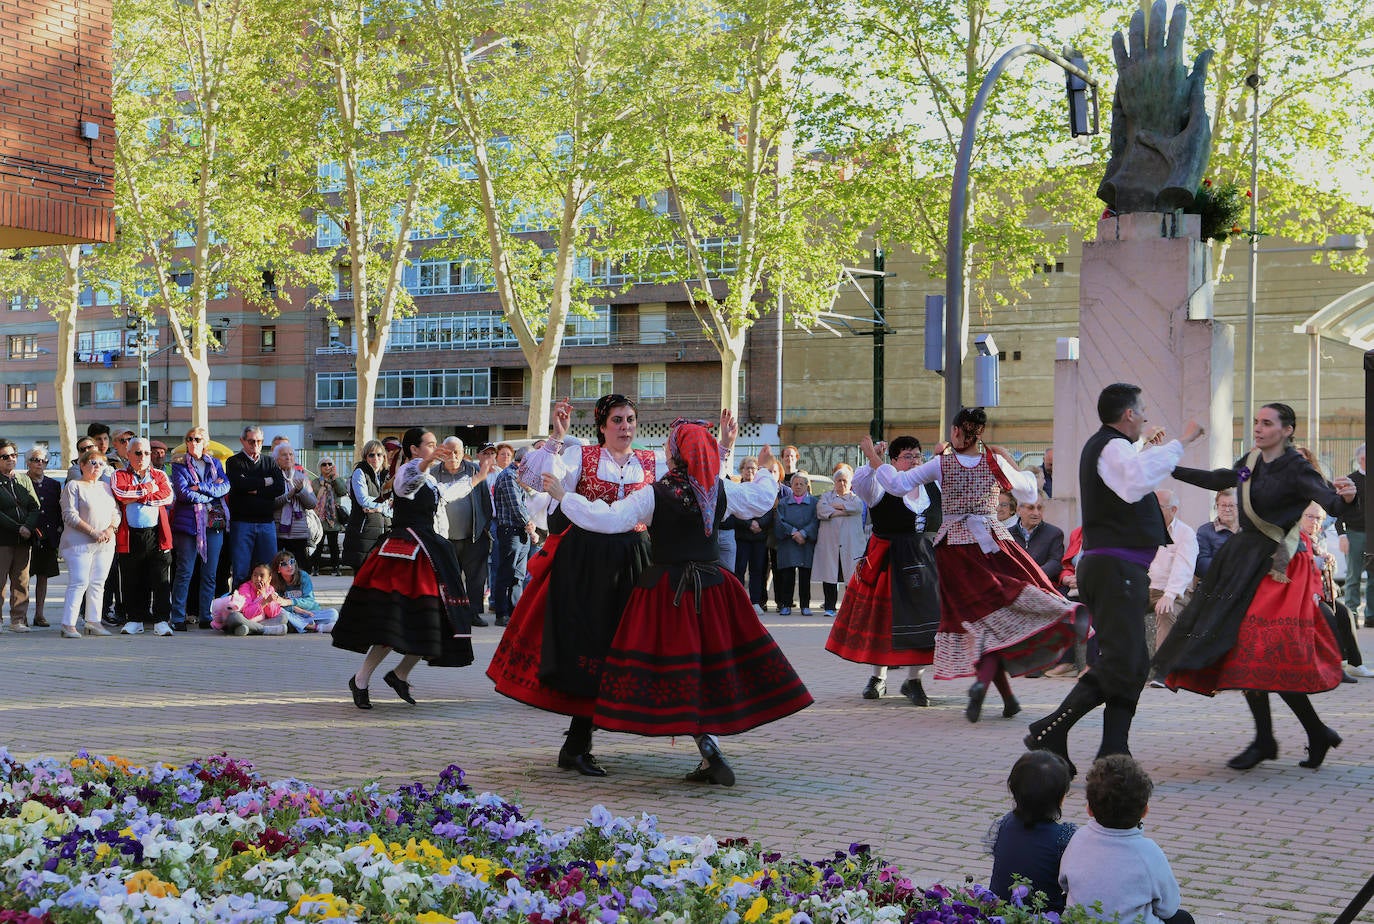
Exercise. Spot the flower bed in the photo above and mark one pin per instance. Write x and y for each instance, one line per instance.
(99, 839)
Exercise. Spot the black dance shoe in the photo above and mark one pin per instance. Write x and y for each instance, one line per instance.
(976, 693)
(1256, 752)
(1010, 707)
(877, 686)
(913, 691)
(1316, 749)
(401, 687)
(360, 697)
(584, 764)
(478, 622)
(713, 767)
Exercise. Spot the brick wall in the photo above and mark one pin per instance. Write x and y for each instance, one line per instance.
(55, 185)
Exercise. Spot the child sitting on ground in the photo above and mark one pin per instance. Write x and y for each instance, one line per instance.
(253, 609)
(1029, 840)
(296, 593)
(1110, 860)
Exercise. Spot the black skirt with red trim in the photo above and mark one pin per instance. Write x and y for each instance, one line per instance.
(690, 668)
(398, 600)
(862, 631)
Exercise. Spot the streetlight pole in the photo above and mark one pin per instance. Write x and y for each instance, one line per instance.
(958, 202)
(1253, 81)
(879, 334)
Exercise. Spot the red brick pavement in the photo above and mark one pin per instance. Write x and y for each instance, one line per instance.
(1275, 844)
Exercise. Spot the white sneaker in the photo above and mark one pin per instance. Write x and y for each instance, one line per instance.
(162, 628)
(1361, 671)
(132, 628)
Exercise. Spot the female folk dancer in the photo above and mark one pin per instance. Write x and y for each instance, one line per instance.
(552, 653)
(690, 656)
(1000, 613)
(891, 606)
(1253, 623)
(408, 595)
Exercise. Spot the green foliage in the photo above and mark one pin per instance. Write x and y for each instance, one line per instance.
(1221, 208)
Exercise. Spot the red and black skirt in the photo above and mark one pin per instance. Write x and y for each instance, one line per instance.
(693, 661)
(1283, 643)
(863, 631)
(398, 600)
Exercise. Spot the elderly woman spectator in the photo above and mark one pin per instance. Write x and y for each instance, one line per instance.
(795, 526)
(330, 489)
(143, 543)
(293, 527)
(370, 518)
(200, 520)
(47, 536)
(1211, 536)
(90, 515)
(841, 537)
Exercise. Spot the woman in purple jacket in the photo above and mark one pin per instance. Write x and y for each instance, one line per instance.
(200, 520)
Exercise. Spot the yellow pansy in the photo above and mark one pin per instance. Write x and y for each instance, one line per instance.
(756, 910)
(325, 905)
(782, 917)
(145, 881)
(433, 917)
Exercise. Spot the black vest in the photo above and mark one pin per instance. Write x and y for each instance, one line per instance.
(677, 534)
(892, 517)
(1108, 521)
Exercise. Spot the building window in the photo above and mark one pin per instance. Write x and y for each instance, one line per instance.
(653, 382)
(327, 231)
(468, 330)
(330, 177)
(98, 341)
(653, 324)
(267, 394)
(131, 393)
(181, 394)
(589, 331)
(23, 346)
(445, 277)
(21, 397)
(591, 382)
(408, 388)
(267, 339)
(22, 303)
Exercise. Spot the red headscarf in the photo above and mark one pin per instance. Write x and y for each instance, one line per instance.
(692, 442)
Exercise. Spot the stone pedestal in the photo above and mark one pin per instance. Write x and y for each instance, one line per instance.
(1145, 317)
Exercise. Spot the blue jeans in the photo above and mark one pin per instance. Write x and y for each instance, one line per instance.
(251, 544)
(512, 552)
(185, 548)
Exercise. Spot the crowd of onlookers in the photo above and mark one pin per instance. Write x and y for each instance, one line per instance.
(163, 539)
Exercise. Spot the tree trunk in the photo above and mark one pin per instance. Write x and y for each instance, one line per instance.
(731, 356)
(198, 370)
(369, 366)
(541, 398)
(65, 382)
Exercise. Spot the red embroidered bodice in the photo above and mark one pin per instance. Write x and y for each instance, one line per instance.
(591, 486)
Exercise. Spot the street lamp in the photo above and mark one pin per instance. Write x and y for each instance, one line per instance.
(1078, 81)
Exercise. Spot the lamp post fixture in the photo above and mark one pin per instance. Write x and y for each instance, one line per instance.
(1252, 81)
(1078, 81)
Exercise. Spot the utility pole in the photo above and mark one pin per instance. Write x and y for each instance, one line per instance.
(876, 425)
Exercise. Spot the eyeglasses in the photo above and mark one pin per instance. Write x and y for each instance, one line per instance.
(195, 439)
(140, 452)
(122, 439)
(326, 465)
(257, 442)
(9, 455)
(38, 458)
(286, 561)
(95, 462)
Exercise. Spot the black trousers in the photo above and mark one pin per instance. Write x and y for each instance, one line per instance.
(752, 558)
(146, 574)
(473, 557)
(783, 582)
(1117, 594)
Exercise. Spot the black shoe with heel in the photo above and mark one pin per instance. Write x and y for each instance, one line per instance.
(584, 764)
(1316, 748)
(1010, 707)
(976, 694)
(914, 692)
(1256, 751)
(360, 696)
(713, 767)
(401, 687)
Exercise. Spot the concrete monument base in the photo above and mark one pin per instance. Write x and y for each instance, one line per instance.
(1145, 317)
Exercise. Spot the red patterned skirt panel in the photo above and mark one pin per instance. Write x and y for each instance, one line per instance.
(1283, 645)
(862, 631)
(999, 604)
(515, 666)
(674, 671)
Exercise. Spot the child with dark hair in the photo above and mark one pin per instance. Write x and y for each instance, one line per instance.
(1110, 860)
(1028, 841)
